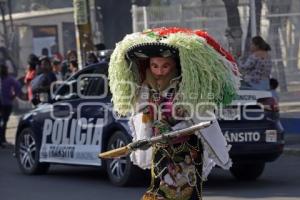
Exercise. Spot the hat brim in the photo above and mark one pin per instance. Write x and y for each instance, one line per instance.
(155, 49)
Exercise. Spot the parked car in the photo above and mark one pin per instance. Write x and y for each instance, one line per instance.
(78, 123)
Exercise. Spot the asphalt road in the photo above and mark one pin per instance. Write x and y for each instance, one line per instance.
(280, 181)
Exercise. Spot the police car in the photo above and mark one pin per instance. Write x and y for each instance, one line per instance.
(251, 125)
(73, 127)
(77, 123)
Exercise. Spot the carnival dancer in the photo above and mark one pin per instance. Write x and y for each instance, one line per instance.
(169, 79)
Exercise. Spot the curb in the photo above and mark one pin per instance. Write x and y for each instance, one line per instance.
(293, 106)
(292, 150)
(13, 121)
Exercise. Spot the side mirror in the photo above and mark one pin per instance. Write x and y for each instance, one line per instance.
(35, 101)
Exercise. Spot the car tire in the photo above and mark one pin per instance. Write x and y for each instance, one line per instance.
(121, 171)
(247, 171)
(27, 153)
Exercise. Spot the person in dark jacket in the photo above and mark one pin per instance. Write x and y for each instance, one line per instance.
(9, 89)
(91, 59)
(41, 85)
(65, 70)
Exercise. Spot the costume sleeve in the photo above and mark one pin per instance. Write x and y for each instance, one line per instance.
(140, 130)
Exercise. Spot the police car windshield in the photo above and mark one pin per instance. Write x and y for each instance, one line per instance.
(245, 86)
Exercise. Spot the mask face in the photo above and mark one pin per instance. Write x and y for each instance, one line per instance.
(161, 67)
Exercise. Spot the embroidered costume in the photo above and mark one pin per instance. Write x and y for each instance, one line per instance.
(205, 74)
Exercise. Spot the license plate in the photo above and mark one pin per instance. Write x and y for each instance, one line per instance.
(271, 136)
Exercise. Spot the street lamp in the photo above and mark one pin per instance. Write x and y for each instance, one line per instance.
(82, 21)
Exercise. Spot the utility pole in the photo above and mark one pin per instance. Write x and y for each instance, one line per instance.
(83, 29)
(145, 18)
(253, 18)
(2, 10)
(134, 13)
(134, 16)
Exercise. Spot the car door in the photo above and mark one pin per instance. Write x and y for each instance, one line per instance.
(93, 112)
(70, 134)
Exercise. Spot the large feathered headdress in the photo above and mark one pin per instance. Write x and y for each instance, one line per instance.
(209, 73)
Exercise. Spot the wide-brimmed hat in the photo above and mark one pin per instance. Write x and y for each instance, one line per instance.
(153, 49)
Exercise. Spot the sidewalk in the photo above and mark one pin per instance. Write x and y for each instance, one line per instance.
(12, 128)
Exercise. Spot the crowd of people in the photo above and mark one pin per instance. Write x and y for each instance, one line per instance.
(43, 71)
(40, 73)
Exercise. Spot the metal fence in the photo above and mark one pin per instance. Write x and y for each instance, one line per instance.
(279, 24)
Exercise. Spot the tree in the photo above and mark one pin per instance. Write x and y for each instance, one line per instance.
(276, 7)
(258, 8)
(292, 39)
(234, 31)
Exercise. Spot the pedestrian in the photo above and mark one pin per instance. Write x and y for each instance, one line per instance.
(71, 55)
(5, 59)
(41, 84)
(32, 63)
(9, 89)
(73, 67)
(45, 52)
(56, 68)
(56, 55)
(91, 59)
(256, 70)
(161, 76)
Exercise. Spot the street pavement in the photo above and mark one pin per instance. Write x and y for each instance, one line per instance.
(279, 181)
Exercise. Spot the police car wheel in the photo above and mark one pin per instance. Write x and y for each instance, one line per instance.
(121, 171)
(27, 153)
(247, 171)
